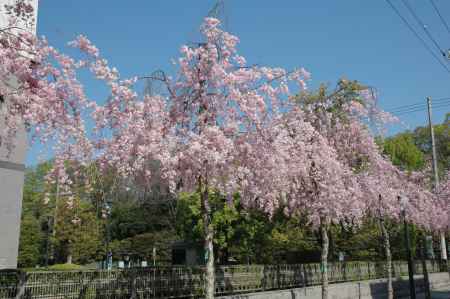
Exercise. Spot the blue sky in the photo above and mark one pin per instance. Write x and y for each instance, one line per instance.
(358, 39)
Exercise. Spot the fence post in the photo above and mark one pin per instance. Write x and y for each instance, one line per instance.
(263, 284)
(21, 284)
(278, 276)
(360, 272)
(344, 271)
(133, 284)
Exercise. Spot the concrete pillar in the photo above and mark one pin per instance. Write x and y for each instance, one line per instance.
(11, 179)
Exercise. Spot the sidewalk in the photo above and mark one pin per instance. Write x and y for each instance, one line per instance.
(438, 294)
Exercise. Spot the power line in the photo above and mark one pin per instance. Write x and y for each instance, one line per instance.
(414, 111)
(415, 105)
(406, 107)
(417, 36)
(424, 27)
(444, 104)
(441, 105)
(440, 15)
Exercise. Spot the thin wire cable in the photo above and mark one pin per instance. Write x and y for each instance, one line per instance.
(406, 106)
(424, 27)
(407, 112)
(441, 99)
(441, 104)
(419, 107)
(401, 106)
(440, 15)
(442, 109)
(418, 36)
(435, 107)
(416, 105)
(410, 112)
(424, 108)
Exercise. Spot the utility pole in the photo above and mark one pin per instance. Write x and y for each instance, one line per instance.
(436, 176)
(433, 146)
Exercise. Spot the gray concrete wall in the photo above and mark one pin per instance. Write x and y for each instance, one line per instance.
(11, 183)
(11, 180)
(370, 289)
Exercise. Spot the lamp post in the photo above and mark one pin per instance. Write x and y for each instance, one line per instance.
(403, 200)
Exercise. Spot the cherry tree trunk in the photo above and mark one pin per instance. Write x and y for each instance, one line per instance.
(208, 247)
(324, 259)
(387, 250)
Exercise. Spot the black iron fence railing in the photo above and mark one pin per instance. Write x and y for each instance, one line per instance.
(188, 282)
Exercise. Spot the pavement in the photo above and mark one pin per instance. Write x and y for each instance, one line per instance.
(438, 294)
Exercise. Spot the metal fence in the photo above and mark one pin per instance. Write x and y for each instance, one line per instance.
(253, 278)
(186, 282)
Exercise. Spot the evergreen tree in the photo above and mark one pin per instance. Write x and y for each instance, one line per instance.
(30, 243)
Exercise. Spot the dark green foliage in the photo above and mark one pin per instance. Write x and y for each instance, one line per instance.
(136, 227)
(30, 243)
(34, 191)
(130, 218)
(290, 241)
(356, 243)
(38, 228)
(77, 232)
(34, 211)
(246, 235)
(141, 246)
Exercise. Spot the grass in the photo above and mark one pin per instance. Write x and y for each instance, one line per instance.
(57, 267)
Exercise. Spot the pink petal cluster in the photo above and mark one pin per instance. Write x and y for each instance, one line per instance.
(223, 124)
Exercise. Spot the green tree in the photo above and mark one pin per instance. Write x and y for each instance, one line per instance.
(130, 217)
(251, 237)
(290, 240)
(78, 232)
(34, 190)
(189, 223)
(442, 138)
(30, 243)
(34, 211)
(244, 234)
(234, 227)
(403, 152)
(142, 245)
